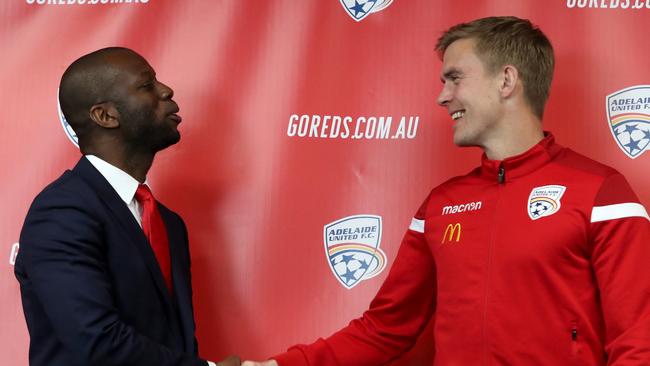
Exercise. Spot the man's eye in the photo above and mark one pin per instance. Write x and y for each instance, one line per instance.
(147, 86)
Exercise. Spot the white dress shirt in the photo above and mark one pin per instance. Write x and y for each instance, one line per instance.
(124, 184)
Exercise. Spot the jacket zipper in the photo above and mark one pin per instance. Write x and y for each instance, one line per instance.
(501, 179)
(574, 340)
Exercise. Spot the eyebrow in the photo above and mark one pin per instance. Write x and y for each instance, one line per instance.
(453, 72)
(147, 74)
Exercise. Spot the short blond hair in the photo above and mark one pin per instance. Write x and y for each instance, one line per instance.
(510, 41)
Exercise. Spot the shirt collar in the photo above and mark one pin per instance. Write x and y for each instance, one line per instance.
(524, 163)
(124, 184)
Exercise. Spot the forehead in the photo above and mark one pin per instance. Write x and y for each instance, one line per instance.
(461, 56)
(128, 65)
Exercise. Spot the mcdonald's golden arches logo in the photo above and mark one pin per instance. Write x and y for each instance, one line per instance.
(450, 231)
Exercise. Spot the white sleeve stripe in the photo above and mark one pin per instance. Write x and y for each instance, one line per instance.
(417, 225)
(618, 211)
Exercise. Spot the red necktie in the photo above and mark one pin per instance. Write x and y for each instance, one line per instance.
(154, 230)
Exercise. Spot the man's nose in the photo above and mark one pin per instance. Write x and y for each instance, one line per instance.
(444, 97)
(165, 91)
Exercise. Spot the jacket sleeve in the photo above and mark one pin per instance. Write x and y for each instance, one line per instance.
(396, 316)
(62, 255)
(620, 235)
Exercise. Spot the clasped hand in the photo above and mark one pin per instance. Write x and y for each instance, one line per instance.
(234, 361)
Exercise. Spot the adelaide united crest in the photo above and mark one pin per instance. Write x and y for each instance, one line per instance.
(352, 248)
(545, 201)
(628, 117)
(360, 9)
(64, 123)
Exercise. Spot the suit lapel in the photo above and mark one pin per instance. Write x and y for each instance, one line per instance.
(177, 245)
(123, 215)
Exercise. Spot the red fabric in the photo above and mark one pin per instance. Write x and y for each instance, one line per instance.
(154, 229)
(512, 290)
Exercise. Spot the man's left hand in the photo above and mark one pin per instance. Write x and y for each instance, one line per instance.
(230, 361)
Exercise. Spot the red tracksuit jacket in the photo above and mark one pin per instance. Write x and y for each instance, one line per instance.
(539, 259)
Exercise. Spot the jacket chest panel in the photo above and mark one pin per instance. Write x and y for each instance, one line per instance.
(500, 237)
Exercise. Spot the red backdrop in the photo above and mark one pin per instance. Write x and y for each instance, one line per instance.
(256, 194)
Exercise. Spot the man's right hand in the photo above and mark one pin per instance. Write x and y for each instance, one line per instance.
(260, 363)
(230, 361)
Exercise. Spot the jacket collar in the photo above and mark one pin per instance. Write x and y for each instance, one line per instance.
(124, 184)
(522, 164)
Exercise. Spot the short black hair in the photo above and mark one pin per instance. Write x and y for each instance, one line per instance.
(87, 81)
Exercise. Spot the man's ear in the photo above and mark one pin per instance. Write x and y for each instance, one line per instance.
(509, 79)
(105, 115)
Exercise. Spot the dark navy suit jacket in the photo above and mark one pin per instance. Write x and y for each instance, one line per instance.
(91, 288)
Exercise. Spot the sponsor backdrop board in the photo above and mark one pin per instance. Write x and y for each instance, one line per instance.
(310, 137)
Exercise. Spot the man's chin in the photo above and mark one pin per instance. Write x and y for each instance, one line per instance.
(460, 140)
(464, 141)
(172, 140)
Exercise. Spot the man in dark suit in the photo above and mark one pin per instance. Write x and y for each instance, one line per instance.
(104, 269)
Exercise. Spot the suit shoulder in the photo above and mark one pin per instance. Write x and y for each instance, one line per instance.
(58, 188)
(69, 195)
(67, 187)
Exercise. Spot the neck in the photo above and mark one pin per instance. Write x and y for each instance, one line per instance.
(134, 163)
(515, 137)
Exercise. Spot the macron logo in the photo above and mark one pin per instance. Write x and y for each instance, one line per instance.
(472, 206)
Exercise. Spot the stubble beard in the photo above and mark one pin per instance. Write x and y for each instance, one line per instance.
(145, 132)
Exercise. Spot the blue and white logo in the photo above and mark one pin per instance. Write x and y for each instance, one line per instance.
(14, 253)
(360, 9)
(545, 201)
(628, 117)
(66, 127)
(352, 248)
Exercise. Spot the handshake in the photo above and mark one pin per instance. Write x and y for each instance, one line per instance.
(235, 361)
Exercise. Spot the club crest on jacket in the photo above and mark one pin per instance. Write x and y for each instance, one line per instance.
(545, 201)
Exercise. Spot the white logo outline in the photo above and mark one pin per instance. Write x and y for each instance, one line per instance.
(72, 136)
(360, 9)
(629, 122)
(545, 201)
(352, 256)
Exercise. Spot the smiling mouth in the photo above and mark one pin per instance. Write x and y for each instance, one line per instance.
(457, 115)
